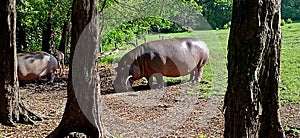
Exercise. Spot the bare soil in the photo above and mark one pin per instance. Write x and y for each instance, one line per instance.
(174, 111)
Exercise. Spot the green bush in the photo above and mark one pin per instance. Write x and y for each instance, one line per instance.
(289, 21)
(139, 28)
(107, 60)
(227, 25)
(282, 23)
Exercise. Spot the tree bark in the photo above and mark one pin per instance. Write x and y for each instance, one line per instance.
(21, 37)
(82, 112)
(47, 36)
(11, 107)
(8, 80)
(251, 102)
(64, 37)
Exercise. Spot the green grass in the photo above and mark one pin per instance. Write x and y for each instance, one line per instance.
(294, 130)
(290, 63)
(215, 73)
(201, 136)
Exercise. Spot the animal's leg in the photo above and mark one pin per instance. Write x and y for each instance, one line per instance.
(22, 83)
(150, 81)
(61, 70)
(159, 79)
(58, 70)
(196, 74)
(199, 76)
(51, 77)
(63, 66)
(193, 75)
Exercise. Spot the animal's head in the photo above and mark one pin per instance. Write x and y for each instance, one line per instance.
(125, 77)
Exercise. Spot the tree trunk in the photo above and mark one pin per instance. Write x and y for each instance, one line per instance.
(251, 102)
(64, 37)
(21, 37)
(8, 80)
(11, 107)
(82, 112)
(47, 34)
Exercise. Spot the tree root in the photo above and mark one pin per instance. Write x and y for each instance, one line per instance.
(64, 131)
(82, 135)
(28, 116)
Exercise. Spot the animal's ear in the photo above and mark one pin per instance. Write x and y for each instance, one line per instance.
(135, 70)
(127, 68)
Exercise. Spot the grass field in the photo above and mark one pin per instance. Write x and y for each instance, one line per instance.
(216, 72)
(290, 63)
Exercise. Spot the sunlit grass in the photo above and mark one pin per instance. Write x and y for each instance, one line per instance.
(290, 63)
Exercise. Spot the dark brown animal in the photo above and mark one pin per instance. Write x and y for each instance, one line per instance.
(34, 66)
(170, 57)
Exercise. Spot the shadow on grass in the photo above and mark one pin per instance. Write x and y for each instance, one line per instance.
(142, 87)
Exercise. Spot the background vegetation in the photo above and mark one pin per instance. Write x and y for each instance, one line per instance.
(217, 42)
(35, 17)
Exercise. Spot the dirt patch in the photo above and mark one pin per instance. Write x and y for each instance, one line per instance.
(174, 111)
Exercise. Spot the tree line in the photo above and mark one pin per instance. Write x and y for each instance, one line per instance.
(45, 25)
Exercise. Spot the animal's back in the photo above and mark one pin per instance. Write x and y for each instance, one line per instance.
(32, 66)
(170, 57)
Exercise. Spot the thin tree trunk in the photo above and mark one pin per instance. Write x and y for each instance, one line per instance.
(64, 37)
(47, 36)
(21, 37)
(11, 107)
(251, 101)
(82, 112)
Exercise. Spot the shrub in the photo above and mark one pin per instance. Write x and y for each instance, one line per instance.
(139, 28)
(227, 25)
(289, 21)
(107, 59)
(282, 23)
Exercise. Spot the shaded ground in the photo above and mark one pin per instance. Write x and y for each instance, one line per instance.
(175, 111)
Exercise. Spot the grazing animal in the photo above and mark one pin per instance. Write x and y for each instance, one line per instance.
(170, 57)
(34, 66)
(61, 61)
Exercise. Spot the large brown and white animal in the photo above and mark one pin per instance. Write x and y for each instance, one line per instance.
(170, 57)
(34, 66)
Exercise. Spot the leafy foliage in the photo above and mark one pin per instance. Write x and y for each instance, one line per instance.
(33, 16)
(139, 28)
(290, 9)
(138, 17)
(126, 21)
(216, 12)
